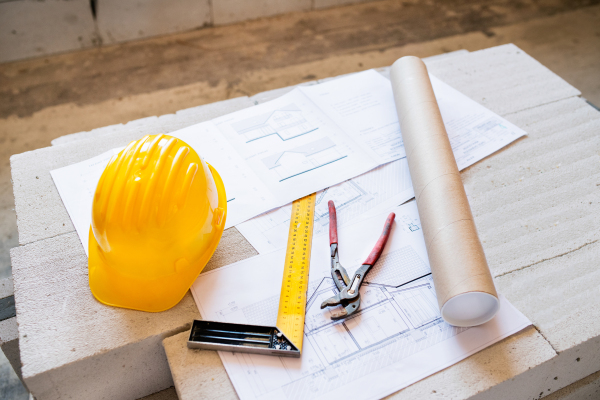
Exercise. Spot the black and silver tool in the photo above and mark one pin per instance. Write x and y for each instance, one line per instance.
(259, 339)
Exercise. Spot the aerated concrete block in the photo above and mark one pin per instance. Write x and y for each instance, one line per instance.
(538, 198)
(200, 373)
(101, 343)
(535, 199)
(585, 389)
(561, 297)
(197, 374)
(72, 346)
(504, 79)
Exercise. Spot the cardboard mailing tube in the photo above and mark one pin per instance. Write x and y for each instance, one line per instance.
(462, 278)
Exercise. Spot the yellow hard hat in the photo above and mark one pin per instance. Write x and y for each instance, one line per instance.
(157, 217)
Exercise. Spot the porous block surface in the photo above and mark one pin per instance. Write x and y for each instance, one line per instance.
(560, 296)
(80, 343)
(199, 373)
(75, 324)
(586, 389)
(504, 79)
(538, 198)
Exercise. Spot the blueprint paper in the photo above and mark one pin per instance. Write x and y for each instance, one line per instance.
(293, 147)
(363, 106)
(378, 190)
(396, 339)
(474, 131)
(305, 141)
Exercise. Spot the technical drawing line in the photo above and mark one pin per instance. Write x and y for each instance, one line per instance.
(410, 288)
(371, 347)
(392, 286)
(308, 170)
(317, 289)
(353, 339)
(277, 133)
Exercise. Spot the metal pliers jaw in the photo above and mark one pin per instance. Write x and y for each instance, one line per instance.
(350, 301)
(349, 295)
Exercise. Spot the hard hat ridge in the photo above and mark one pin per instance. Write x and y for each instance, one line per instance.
(158, 214)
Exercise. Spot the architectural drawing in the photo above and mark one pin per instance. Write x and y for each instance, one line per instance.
(287, 123)
(387, 185)
(398, 309)
(396, 338)
(393, 323)
(301, 159)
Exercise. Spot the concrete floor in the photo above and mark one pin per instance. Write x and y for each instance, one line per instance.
(10, 385)
(50, 97)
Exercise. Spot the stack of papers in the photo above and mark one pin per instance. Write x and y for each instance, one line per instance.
(310, 139)
(396, 338)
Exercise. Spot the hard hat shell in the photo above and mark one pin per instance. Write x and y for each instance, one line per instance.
(157, 217)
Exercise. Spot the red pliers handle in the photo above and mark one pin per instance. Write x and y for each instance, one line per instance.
(332, 223)
(349, 296)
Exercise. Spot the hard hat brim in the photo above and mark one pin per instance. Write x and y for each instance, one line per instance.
(115, 290)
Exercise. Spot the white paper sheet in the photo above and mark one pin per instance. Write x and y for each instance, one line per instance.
(396, 339)
(373, 192)
(293, 147)
(307, 140)
(363, 106)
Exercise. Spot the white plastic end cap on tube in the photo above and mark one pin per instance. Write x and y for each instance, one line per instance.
(470, 309)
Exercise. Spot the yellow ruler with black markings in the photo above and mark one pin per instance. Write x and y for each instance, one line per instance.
(284, 339)
(292, 302)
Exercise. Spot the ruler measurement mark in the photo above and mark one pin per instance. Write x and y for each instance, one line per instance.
(292, 304)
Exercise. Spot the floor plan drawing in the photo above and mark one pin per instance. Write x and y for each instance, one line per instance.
(396, 338)
(301, 159)
(393, 323)
(287, 123)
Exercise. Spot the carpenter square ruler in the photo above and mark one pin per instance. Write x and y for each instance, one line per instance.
(284, 339)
